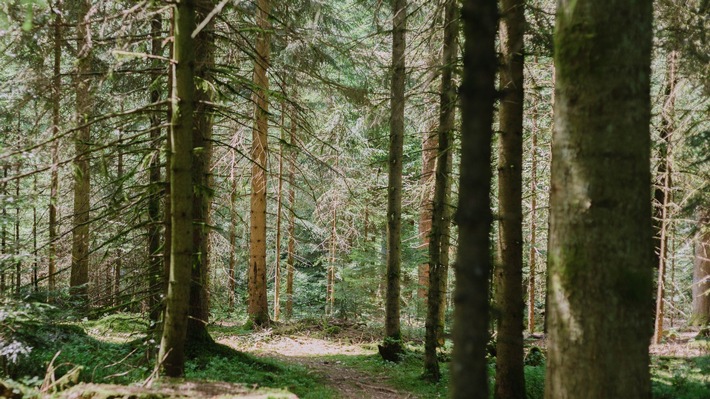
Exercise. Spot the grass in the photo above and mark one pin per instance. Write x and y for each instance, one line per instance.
(680, 377)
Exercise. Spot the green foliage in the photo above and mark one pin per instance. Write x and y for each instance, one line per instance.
(220, 363)
(681, 378)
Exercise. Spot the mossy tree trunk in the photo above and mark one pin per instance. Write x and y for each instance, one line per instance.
(601, 243)
(438, 241)
(258, 306)
(469, 367)
(79, 279)
(201, 177)
(510, 380)
(391, 347)
(172, 347)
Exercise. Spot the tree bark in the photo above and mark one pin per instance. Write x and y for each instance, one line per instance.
(258, 306)
(510, 380)
(601, 243)
(79, 278)
(701, 272)
(438, 240)
(391, 347)
(279, 188)
(201, 178)
(171, 357)
(232, 233)
(469, 368)
(291, 216)
(54, 149)
(533, 226)
(155, 276)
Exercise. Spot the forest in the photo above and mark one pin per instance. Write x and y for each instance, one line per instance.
(470, 199)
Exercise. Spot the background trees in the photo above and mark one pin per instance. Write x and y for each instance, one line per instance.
(319, 90)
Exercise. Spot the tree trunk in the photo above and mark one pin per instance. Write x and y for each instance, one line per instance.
(118, 264)
(510, 380)
(18, 261)
(662, 193)
(279, 185)
(291, 216)
(167, 191)
(701, 273)
(35, 252)
(469, 368)
(601, 243)
(79, 279)
(533, 225)
(392, 346)
(330, 283)
(3, 235)
(172, 347)
(232, 233)
(258, 307)
(155, 276)
(201, 178)
(439, 224)
(54, 149)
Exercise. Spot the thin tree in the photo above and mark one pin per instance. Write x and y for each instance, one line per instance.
(662, 192)
(290, 267)
(279, 189)
(155, 275)
(392, 347)
(601, 244)
(533, 224)
(469, 368)
(439, 222)
(258, 306)
(510, 380)
(79, 278)
(54, 149)
(171, 358)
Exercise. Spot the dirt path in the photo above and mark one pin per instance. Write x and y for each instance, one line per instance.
(310, 352)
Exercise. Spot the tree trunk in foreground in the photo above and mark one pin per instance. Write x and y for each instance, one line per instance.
(601, 243)
(469, 367)
(510, 380)
(436, 299)
(258, 306)
(171, 358)
(79, 279)
(392, 347)
(201, 179)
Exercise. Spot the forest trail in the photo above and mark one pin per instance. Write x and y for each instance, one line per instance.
(317, 354)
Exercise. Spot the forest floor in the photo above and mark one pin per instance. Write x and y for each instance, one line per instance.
(311, 347)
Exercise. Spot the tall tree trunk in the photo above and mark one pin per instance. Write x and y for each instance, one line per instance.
(3, 234)
(279, 188)
(701, 272)
(167, 191)
(232, 233)
(469, 368)
(155, 277)
(79, 278)
(601, 243)
(330, 284)
(510, 380)
(258, 306)
(662, 192)
(438, 240)
(35, 251)
(201, 178)
(291, 216)
(54, 149)
(533, 224)
(171, 357)
(118, 263)
(392, 346)
(18, 261)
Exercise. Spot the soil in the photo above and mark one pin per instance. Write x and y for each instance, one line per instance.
(309, 351)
